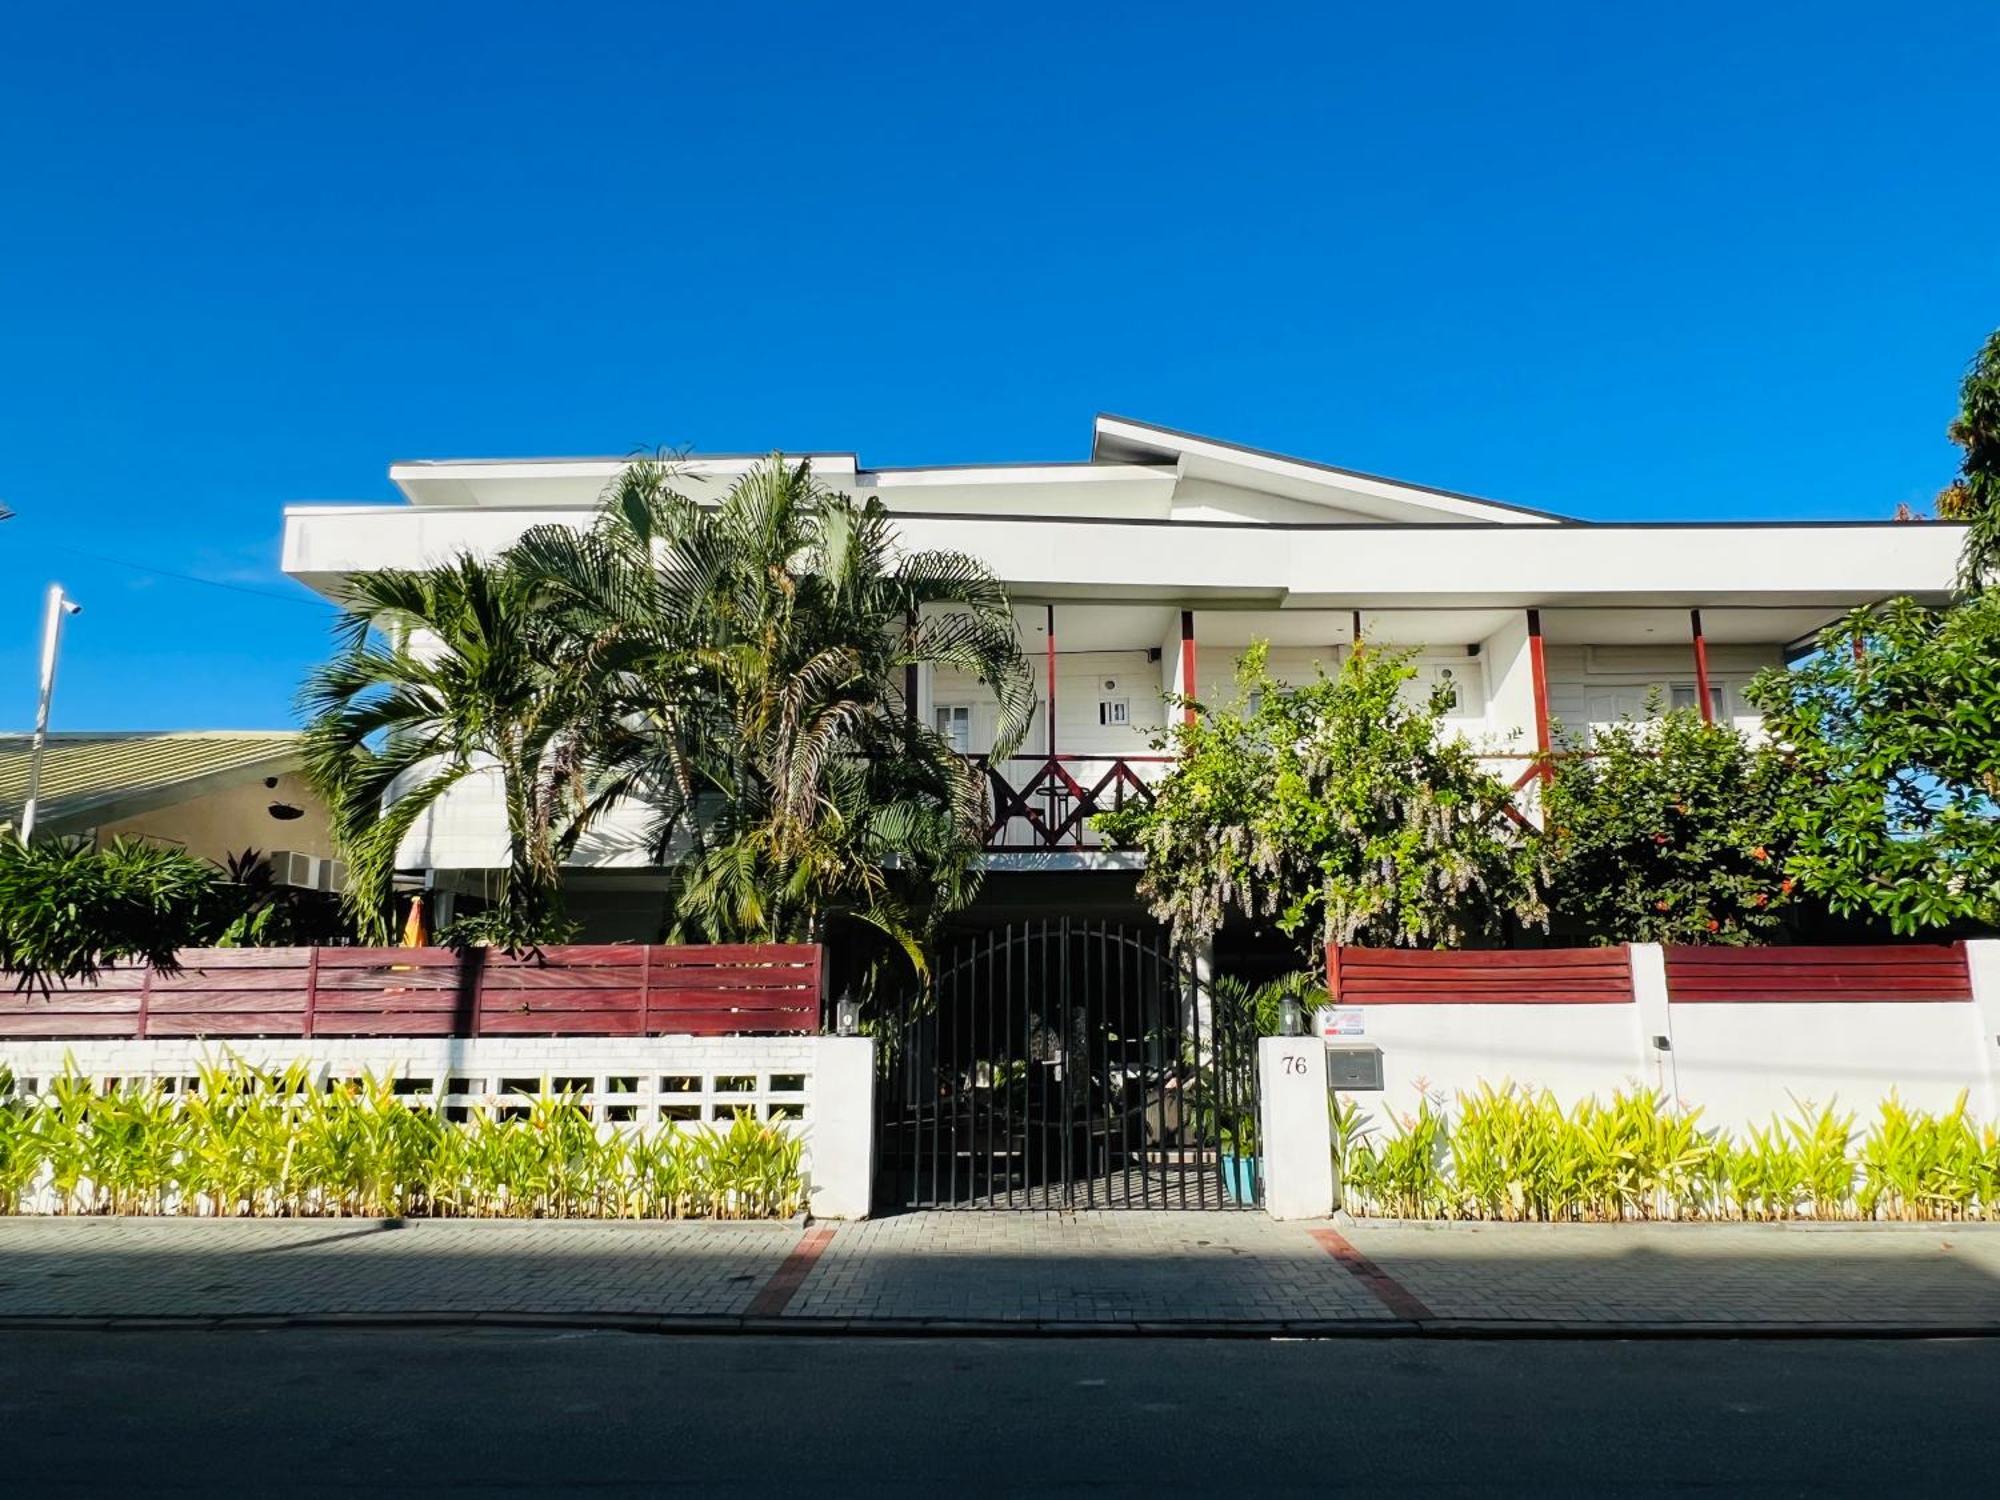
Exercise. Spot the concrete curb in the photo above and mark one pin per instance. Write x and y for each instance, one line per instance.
(1194, 1328)
(1692, 1228)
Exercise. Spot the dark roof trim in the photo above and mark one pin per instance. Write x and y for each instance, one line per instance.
(1307, 463)
(1025, 463)
(1040, 519)
(620, 458)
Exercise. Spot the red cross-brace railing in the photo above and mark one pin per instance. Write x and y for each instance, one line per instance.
(1118, 784)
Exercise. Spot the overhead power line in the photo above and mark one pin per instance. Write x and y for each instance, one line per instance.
(310, 600)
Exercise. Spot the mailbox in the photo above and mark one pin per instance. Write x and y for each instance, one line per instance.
(1353, 1069)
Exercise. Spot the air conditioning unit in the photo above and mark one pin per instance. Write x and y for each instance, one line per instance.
(309, 872)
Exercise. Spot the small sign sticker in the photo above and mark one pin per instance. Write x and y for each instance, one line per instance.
(1336, 1021)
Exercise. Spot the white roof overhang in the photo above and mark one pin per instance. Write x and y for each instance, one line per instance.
(1122, 440)
(1261, 565)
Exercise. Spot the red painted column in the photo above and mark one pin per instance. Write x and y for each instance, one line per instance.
(1187, 663)
(1700, 667)
(1538, 673)
(1051, 618)
(1355, 627)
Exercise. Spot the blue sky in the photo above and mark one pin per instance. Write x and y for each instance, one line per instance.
(1708, 261)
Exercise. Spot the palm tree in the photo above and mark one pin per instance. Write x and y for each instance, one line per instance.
(441, 674)
(746, 664)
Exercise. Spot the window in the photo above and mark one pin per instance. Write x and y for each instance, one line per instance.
(1462, 683)
(1114, 711)
(954, 722)
(1682, 695)
(1447, 687)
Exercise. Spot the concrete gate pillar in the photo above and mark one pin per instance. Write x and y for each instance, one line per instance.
(841, 1139)
(1297, 1128)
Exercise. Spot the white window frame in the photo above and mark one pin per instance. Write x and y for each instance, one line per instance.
(946, 719)
(1467, 672)
(1718, 697)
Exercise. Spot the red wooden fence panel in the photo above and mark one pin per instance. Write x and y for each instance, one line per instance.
(1420, 976)
(573, 990)
(1910, 972)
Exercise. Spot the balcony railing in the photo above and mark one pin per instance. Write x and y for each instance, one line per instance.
(1046, 802)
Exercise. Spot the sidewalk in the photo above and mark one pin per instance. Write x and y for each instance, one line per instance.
(1101, 1273)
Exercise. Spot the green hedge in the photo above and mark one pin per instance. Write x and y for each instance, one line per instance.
(254, 1143)
(1515, 1154)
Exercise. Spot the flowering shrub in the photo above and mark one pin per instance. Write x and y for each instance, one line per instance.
(1668, 832)
(1339, 811)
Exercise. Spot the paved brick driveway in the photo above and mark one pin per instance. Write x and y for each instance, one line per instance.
(1075, 1271)
(1080, 1268)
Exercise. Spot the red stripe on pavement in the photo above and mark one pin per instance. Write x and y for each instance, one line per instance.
(789, 1277)
(1388, 1291)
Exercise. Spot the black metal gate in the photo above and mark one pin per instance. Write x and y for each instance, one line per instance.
(1066, 1064)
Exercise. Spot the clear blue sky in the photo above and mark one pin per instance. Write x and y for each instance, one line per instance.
(1694, 261)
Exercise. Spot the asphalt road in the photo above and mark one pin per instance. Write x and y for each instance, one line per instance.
(421, 1412)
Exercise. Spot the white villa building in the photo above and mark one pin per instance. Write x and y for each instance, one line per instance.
(1147, 568)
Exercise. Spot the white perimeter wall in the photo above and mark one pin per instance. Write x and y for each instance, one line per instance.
(1740, 1063)
(820, 1087)
(1441, 1051)
(1747, 1062)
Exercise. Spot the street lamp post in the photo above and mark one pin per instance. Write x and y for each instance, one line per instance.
(59, 606)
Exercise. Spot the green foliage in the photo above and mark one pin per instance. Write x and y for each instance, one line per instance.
(1338, 812)
(1917, 1166)
(20, 1151)
(67, 907)
(1892, 733)
(254, 1143)
(441, 674)
(746, 662)
(1222, 1067)
(1668, 832)
(1513, 1154)
(1974, 497)
(254, 911)
(1244, 1011)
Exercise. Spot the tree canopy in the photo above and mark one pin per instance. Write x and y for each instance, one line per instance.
(1893, 796)
(748, 661)
(441, 674)
(735, 669)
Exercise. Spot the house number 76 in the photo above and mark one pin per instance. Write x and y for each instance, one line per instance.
(1295, 1064)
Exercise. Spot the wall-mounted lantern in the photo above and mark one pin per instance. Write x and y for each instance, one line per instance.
(1291, 1016)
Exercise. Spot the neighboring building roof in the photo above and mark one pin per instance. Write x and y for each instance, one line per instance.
(96, 778)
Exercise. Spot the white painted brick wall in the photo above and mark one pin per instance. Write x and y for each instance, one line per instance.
(624, 1081)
